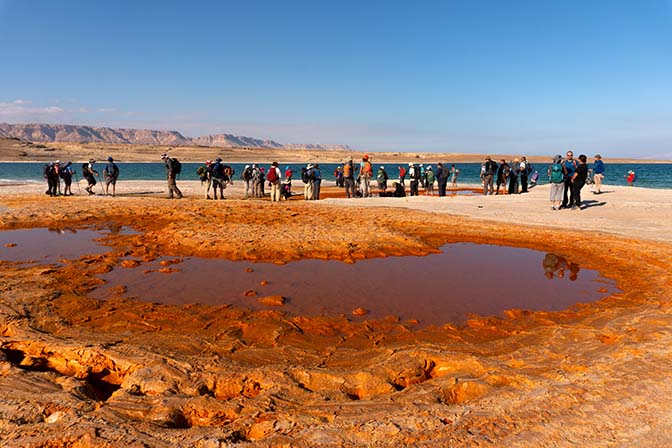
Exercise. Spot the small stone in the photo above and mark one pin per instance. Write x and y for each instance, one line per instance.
(272, 300)
(130, 264)
(10, 245)
(249, 270)
(56, 416)
(360, 312)
(250, 293)
(168, 270)
(263, 283)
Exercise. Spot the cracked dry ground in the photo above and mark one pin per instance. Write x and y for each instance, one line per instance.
(79, 372)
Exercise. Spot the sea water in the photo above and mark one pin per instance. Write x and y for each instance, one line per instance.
(649, 175)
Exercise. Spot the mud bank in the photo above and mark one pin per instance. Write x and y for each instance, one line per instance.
(75, 371)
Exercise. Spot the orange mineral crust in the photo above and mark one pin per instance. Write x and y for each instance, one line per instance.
(78, 371)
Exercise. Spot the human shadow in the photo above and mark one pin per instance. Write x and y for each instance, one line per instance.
(592, 203)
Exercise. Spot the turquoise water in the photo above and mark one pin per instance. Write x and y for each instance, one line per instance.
(649, 175)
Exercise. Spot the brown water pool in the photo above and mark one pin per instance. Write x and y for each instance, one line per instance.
(463, 279)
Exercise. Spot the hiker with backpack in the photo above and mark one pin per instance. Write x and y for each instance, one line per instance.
(429, 175)
(381, 178)
(317, 182)
(349, 179)
(66, 174)
(488, 170)
(514, 172)
(502, 175)
(246, 177)
(110, 174)
(88, 172)
(274, 177)
(173, 168)
(525, 170)
(218, 178)
(365, 174)
(556, 177)
(50, 173)
(204, 173)
(441, 175)
(579, 180)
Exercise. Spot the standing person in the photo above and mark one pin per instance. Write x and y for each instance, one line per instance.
(402, 175)
(525, 170)
(579, 180)
(88, 172)
(289, 173)
(598, 174)
(630, 178)
(204, 174)
(57, 177)
(274, 177)
(338, 175)
(66, 174)
(349, 179)
(556, 177)
(110, 174)
(514, 172)
(488, 170)
(414, 176)
(382, 177)
(173, 168)
(218, 175)
(307, 178)
(430, 181)
(51, 176)
(454, 173)
(502, 175)
(366, 172)
(441, 175)
(286, 186)
(317, 182)
(569, 166)
(247, 180)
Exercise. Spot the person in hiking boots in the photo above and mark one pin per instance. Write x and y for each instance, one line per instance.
(414, 176)
(598, 174)
(89, 173)
(173, 168)
(488, 170)
(110, 174)
(502, 175)
(430, 177)
(578, 181)
(525, 170)
(218, 178)
(556, 177)
(274, 178)
(246, 176)
(365, 173)
(50, 174)
(441, 175)
(66, 174)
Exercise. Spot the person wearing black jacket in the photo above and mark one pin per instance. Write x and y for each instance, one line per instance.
(442, 178)
(488, 170)
(578, 181)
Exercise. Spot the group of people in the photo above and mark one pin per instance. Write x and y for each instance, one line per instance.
(514, 177)
(56, 171)
(569, 175)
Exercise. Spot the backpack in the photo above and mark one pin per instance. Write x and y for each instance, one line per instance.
(556, 173)
(305, 175)
(247, 174)
(114, 173)
(202, 172)
(85, 169)
(177, 166)
(272, 175)
(347, 170)
(47, 170)
(416, 173)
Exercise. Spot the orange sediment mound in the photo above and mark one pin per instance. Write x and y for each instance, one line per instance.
(162, 374)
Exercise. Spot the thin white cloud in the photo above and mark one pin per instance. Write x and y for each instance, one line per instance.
(107, 109)
(22, 109)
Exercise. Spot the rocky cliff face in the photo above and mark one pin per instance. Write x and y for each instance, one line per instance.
(86, 134)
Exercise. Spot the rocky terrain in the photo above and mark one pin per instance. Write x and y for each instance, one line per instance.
(48, 133)
(75, 371)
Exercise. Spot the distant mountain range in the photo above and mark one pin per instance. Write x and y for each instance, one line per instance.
(38, 132)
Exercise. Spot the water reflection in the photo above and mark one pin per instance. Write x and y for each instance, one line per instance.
(555, 266)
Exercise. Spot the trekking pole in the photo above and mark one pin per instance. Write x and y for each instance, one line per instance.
(79, 190)
(100, 182)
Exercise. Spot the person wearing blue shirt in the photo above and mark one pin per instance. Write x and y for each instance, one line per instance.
(598, 174)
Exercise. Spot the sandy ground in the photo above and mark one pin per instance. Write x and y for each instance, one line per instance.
(81, 372)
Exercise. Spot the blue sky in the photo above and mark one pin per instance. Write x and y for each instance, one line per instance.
(533, 77)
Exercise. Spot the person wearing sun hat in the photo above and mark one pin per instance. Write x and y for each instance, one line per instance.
(172, 170)
(110, 174)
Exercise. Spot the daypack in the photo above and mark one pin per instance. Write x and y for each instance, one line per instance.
(556, 173)
(114, 173)
(305, 175)
(347, 170)
(247, 174)
(202, 172)
(272, 175)
(177, 166)
(367, 171)
(47, 170)
(415, 175)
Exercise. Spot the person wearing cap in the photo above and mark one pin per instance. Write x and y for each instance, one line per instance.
(349, 179)
(57, 177)
(381, 178)
(365, 174)
(218, 178)
(171, 174)
(88, 171)
(430, 177)
(598, 174)
(307, 177)
(52, 179)
(441, 176)
(110, 174)
(514, 173)
(246, 176)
